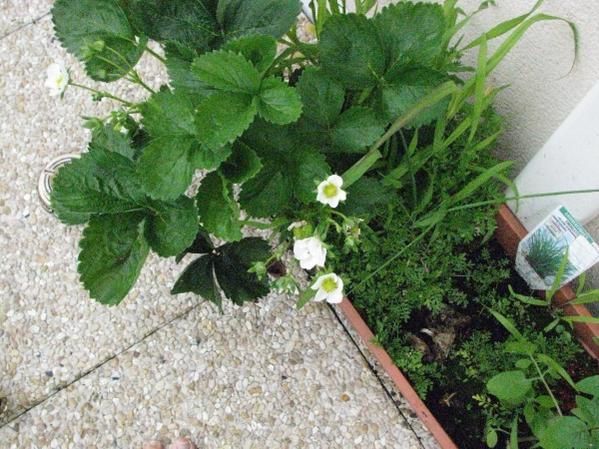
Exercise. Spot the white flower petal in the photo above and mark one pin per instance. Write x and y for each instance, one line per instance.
(335, 297)
(320, 296)
(336, 180)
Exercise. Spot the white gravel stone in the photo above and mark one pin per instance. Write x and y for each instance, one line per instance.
(78, 374)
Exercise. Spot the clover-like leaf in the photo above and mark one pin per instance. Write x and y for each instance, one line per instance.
(99, 34)
(219, 213)
(352, 41)
(113, 251)
(291, 170)
(173, 226)
(279, 103)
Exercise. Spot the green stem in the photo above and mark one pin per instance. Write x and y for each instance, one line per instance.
(559, 410)
(357, 170)
(156, 55)
(395, 256)
(135, 78)
(102, 93)
(520, 197)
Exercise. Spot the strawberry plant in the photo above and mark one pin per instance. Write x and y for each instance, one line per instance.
(304, 139)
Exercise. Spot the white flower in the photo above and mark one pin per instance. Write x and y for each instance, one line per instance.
(328, 287)
(58, 79)
(310, 252)
(330, 191)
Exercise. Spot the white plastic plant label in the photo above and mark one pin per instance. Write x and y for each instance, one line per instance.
(541, 252)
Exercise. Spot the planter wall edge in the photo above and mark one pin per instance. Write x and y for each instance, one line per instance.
(396, 376)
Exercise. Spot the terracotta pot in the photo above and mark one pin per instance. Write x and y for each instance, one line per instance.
(509, 233)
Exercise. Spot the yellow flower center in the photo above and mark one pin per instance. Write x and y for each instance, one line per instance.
(330, 190)
(329, 285)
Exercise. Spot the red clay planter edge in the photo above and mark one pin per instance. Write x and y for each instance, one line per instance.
(400, 381)
(509, 233)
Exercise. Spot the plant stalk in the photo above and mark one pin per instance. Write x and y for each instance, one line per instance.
(358, 170)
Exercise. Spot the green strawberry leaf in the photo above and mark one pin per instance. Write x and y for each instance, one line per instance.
(107, 138)
(232, 265)
(168, 114)
(178, 65)
(278, 103)
(307, 168)
(322, 97)
(190, 22)
(242, 165)
(355, 129)
(227, 71)
(352, 41)
(411, 33)
(173, 227)
(365, 197)
(166, 166)
(290, 171)
(267, 17)
(219, 213)
(201, 245)
(198, 278)
(169, 161)
(100, 182)
(405, 88)
(98, 33)
(267, 193)
(259, 50)
(223, 117)
(113, 251)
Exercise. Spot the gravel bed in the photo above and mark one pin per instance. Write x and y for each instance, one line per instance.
(260, 376)
(15, 14)
(79, 374)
